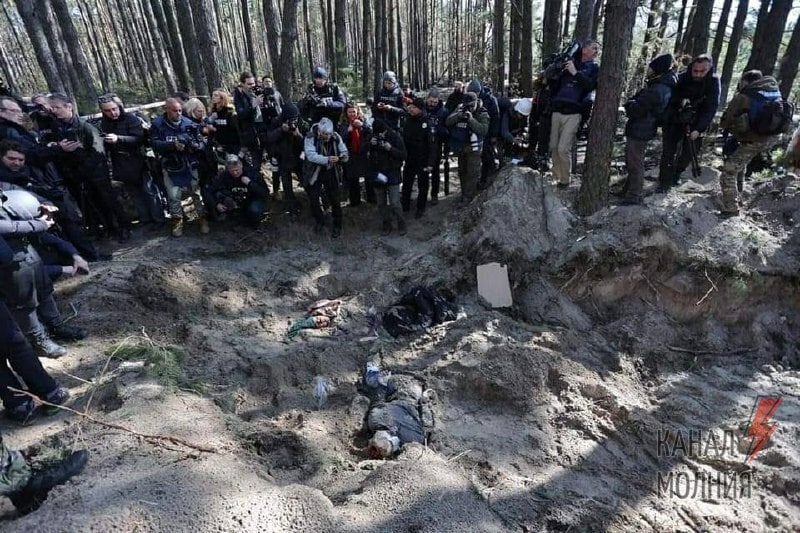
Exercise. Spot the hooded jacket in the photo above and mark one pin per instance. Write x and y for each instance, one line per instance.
(646, 107)
(703, 95)
(738, 109)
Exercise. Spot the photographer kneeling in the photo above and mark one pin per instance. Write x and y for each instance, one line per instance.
(233, 190)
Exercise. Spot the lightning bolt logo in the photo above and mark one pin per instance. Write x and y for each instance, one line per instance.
(760, 428)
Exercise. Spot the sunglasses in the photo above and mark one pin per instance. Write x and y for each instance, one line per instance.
(106, 98)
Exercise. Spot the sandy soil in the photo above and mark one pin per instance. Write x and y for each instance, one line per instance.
(636, 321)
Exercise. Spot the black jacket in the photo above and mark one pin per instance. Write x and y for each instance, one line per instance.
(127, 161)
(418, 136)
(646, 107)
(387, 162)
(87, 163)
(703, 96)
(231, 192)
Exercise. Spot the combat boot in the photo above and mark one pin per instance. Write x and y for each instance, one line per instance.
(177, 227)
(44, 478)
(44, 346)
(65, 332)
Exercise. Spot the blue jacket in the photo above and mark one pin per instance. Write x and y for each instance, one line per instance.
(461, 129)
(570, 91)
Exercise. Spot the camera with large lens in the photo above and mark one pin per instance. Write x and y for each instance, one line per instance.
(193, 137)
(686, 113)
(258, 90)
(555, 68)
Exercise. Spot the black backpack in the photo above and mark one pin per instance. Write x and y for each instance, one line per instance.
(769, 113)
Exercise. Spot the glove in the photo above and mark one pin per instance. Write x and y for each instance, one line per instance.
(386, 146)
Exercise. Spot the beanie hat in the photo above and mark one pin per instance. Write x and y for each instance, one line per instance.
(474, 86)
(469, 97)
(661, 64)
(325, 125)
(289, 111)
(418, 102)
(389, 75)
(319, 72)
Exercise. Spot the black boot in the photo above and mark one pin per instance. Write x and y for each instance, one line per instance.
(32, 495)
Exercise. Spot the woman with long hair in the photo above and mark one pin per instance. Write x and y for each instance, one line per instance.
(356, 135)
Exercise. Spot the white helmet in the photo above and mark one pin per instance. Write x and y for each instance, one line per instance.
(523, 106)
(20, 205)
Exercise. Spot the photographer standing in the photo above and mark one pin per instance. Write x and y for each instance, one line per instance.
(386, 153)
(694, 102)
(323, 99)
(179, 145)
(570, 79)
(468, 125)
(286, 137)
(388, 101)
(248, 100)
(325, 154)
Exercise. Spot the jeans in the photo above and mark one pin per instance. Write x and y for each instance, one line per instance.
(175, 192)
(389, 205)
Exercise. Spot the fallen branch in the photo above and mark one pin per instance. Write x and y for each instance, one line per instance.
(710, 289)
(156, 439)
(712, 352)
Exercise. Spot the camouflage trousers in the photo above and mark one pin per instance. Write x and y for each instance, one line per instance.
(14, 470)
(735, 164)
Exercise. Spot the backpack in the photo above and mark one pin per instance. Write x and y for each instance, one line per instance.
(769, 113)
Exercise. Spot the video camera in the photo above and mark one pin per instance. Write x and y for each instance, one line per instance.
(560, 61)
(193, 138)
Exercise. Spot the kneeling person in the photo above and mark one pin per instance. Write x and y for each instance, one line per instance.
(233, 190)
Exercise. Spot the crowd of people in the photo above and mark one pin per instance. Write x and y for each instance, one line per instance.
(210, 164)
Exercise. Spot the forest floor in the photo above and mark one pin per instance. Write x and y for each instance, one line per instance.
(632, 331)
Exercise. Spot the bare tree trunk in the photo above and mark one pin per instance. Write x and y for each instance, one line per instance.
(390, 28)
(93, 36)
(565, 25)
(515, 30)
(733, 49)
(172, 43)
(47, 22)
(163, 59)
(307, 25)
(273, 34)
(207, 43)
(136, 40)
(697, 34)
(399, 33)
(86, 89)
(597, 17)
(340, 29)
(769, 33)
(679, 33)
(583, 21)
(331, 42)
(593, 194)
(183, 10)
(526, 51)
(498, 46)
(368, 43)
(551, 27)
(380, 42)
(787, 71)
(283, 75)
(722, 26)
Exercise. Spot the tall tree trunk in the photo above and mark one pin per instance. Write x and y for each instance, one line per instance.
(172, 42)
(768, 36)
(248, 35)
(283, 75)
(565, 25)
(662, 29)
(308, 30)
(63, 61)
(340, 30)
(597, 17)
(649, 36)
(787, 71)
(92, 33)
(208, 43)
(86, 89)
(515, 31)
(331, 43)
(733, 49)
(380, 42)
(551, 27)
(273, 34)
(583, 21)
(368, 42)
(620, 19)
(399, 33)
(696, 39)
(136, 40)
(526, 50)
(679, 33)
(499, 51)
(390, 30)
(183, 10)
(170, 84)
(722, 26)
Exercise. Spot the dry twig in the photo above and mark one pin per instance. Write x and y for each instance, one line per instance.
(710, 289)
(712, 352)
(156, 439)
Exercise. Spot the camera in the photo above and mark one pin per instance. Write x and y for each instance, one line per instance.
(292, 125)
(685, 113)
(560, 61)
(258, 90)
